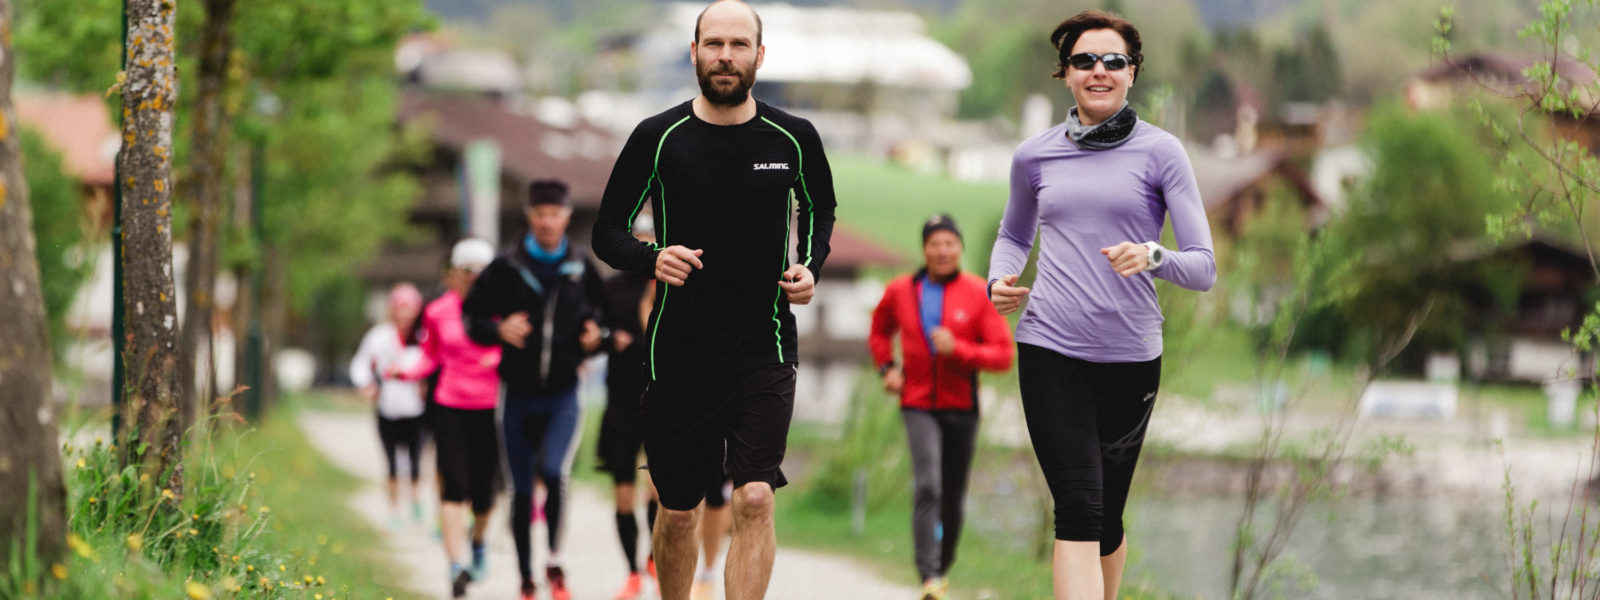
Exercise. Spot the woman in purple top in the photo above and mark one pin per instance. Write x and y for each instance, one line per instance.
(1096, 189)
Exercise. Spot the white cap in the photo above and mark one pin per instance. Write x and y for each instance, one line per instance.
(471, 253)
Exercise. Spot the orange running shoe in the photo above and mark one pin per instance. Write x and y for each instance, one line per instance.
(630, 588)
(558, 583)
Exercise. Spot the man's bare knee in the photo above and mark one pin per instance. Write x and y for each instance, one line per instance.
(753, 502)
(677, 522)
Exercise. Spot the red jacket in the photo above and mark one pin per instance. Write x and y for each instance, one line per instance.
(983, 341)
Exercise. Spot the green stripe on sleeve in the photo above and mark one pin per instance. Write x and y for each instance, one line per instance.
(661, 241)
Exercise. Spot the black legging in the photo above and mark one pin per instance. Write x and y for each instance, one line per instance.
(1087, 422)
(401, 432)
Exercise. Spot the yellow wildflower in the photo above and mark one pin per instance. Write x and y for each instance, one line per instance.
(194, 532)
(82, 464)
(81, 547)
(321, 581)
(59, 570)
(308, 580)
(135, 541)
(197, 590)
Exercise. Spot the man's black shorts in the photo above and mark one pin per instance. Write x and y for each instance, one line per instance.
(621, 433)
(701, 427)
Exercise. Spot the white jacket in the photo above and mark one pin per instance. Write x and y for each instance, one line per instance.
(382, 350)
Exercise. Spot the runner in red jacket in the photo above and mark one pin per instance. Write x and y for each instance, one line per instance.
(948, 331)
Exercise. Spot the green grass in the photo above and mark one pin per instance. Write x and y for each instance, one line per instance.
(985, 567)
(315, 527)
(262, 515)
(1527, 408)
(888, 204)
(992, 562)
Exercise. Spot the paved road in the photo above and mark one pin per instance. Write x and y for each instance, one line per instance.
(591, 554)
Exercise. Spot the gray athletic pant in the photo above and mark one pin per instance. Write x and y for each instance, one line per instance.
(942, 443)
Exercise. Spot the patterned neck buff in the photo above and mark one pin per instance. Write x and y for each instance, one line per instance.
(1106, 134)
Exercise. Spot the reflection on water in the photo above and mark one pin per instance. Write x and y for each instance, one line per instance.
(1359, 548)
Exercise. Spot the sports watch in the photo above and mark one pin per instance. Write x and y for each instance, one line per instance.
(1158, 256)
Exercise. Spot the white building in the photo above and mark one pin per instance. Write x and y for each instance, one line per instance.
(868, 79)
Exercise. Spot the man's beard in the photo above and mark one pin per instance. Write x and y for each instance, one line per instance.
(732, 96)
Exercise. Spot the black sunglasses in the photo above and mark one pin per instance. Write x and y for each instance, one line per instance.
(1113, 61)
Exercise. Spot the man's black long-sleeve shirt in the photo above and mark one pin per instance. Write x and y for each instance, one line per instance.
(733, 191)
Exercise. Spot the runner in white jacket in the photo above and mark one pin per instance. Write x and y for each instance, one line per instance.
(390, 346)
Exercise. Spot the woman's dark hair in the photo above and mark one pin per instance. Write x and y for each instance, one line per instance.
(1067, 33)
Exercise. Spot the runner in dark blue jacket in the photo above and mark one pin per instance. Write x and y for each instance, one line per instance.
(541, 301)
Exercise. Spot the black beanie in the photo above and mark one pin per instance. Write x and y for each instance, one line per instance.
(547, 191)
(940, 222)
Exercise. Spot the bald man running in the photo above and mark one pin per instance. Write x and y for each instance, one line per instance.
(726, 176)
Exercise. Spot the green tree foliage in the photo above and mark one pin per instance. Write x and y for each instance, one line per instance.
(77, 48)
(330, 196)
(58, 229)
(335, 186)
(1308, 71)
(1415, 232)
(1015, 62)
(1557, 179)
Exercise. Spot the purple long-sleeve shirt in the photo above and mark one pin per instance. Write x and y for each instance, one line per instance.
(1081, 201)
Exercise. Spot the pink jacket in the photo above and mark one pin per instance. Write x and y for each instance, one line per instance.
(467, 377)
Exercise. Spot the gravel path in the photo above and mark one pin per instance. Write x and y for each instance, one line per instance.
(591, 553)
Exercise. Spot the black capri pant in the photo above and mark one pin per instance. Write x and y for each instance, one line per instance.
(468, 451)
(1087, 421)
(401, 432)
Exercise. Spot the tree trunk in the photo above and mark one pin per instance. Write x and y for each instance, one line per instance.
(30, 461)
(154, 405)
(208, 158)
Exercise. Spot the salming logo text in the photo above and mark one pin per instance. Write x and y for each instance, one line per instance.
(772, 166)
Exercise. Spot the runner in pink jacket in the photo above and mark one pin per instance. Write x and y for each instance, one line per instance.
(468, 448)
(468, 379)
